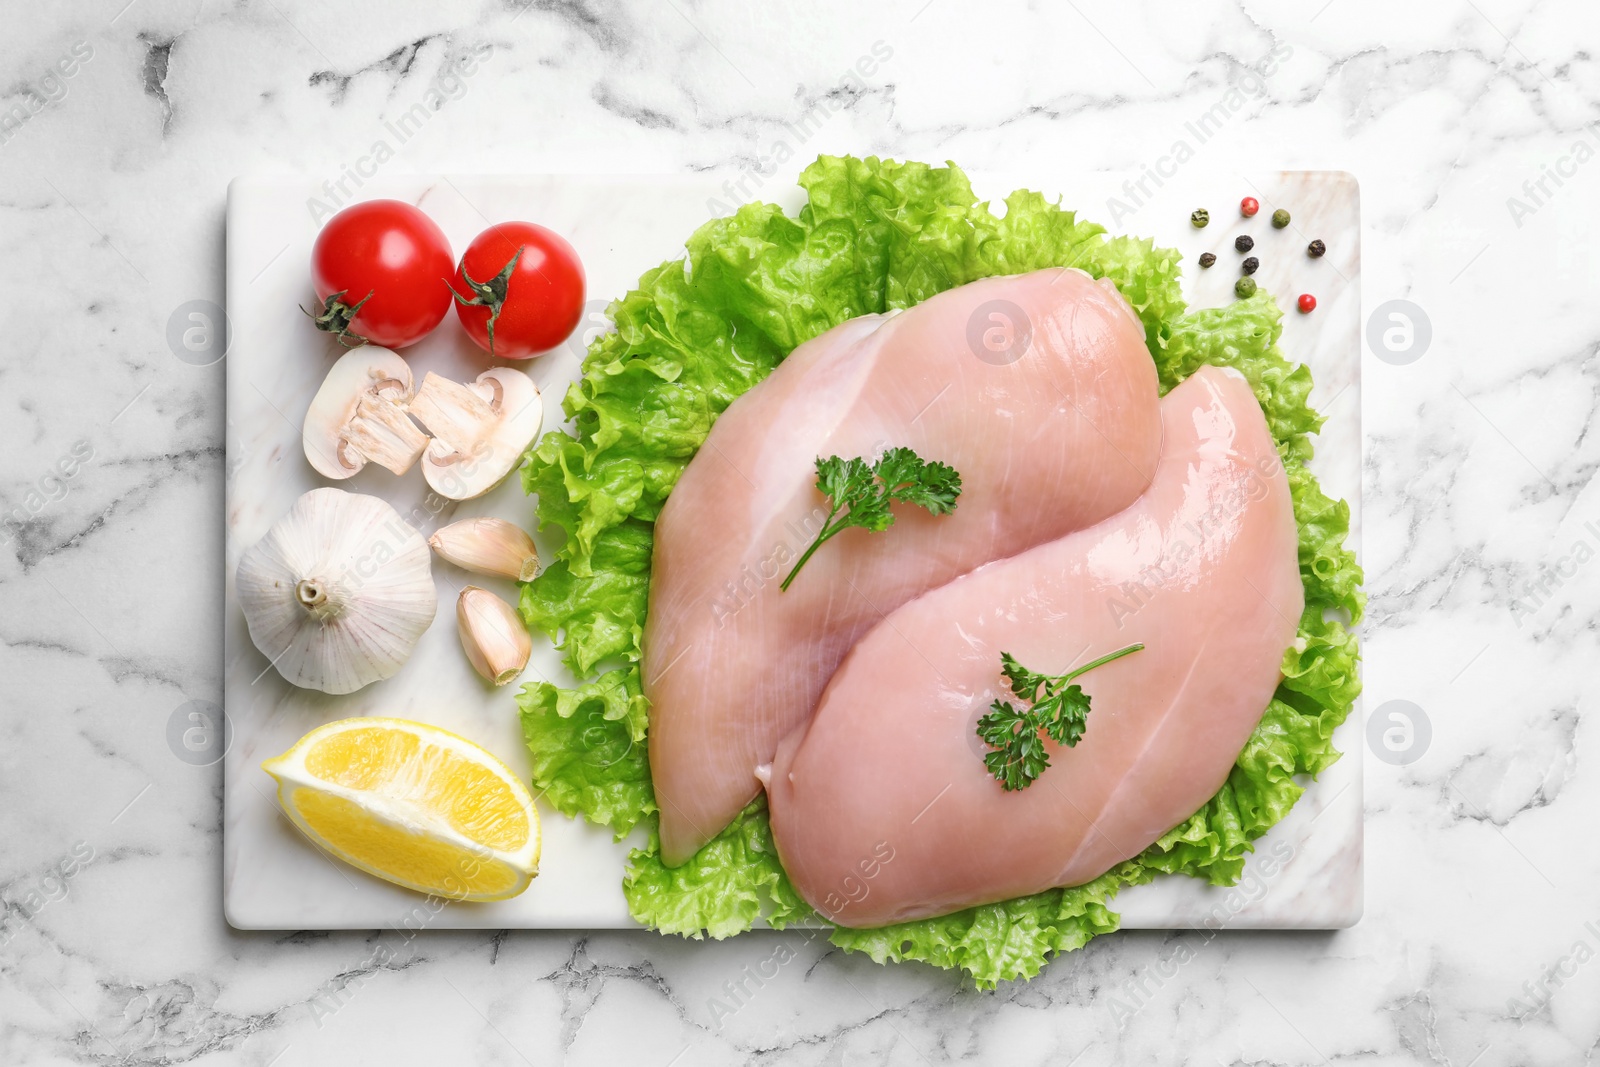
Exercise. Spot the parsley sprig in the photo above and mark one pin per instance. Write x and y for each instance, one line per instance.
(1058, 708)
(860, 493)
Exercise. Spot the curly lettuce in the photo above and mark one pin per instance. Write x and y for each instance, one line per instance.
(723, 889)
(588, 749)
(699, 332)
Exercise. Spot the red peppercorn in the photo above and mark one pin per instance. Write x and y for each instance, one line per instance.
(1249, 206)
(1308, 303)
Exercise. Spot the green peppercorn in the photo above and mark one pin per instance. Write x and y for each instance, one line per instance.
(1244, 288)
(1250, 264)
(1280, 219)
(1207, 258)
(1199, 217)
(1243, 243)
(1316, 248)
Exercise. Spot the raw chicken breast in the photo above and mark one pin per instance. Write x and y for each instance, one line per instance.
(1053, 441)
(883, 809)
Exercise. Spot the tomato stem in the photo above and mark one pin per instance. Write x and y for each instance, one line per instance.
(336, 317)
(490, 294)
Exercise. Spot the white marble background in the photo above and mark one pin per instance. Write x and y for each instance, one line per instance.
(1481, 855)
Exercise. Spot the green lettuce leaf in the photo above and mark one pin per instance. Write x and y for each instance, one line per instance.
(724, 889)
(699, 332)
(1011, 939)
(600, 615)
(589, 756)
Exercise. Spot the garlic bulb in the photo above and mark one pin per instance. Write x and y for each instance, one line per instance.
(488, 546)
(492, 635)
(338, 592)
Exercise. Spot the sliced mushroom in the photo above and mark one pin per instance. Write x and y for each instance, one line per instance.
(480, 431)
(359, 416)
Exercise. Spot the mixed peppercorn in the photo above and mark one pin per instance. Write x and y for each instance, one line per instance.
(1245, 287)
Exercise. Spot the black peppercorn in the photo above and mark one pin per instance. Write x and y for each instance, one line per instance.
(1199, 217)
(1250, 264)
(1280, 219)
(1243, 243)
(1244, 288)
(1316, 248)
(1207, 258)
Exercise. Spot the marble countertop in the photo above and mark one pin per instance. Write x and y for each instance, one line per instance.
(1472, 131)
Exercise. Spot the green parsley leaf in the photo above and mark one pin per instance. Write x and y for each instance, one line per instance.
(1018, 756)
(1058, 708)
(860, 494)
(1064, 714)
(933, 487)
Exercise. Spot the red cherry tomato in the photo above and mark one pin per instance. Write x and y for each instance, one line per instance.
(519, 290)
(381, 269)
(1308, 303)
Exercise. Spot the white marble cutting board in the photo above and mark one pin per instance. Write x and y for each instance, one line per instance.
(621, 226)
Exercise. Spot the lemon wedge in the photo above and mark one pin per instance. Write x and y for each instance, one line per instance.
(413, 804)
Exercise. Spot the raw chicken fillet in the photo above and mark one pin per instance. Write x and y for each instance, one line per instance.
(882, 808)
(1054, 440)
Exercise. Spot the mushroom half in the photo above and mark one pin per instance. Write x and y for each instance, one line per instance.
(480, 430)
(359, 416)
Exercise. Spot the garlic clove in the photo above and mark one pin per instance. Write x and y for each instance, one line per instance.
(488, 546)
(338, 592)
(492, 635)
(480, 431)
